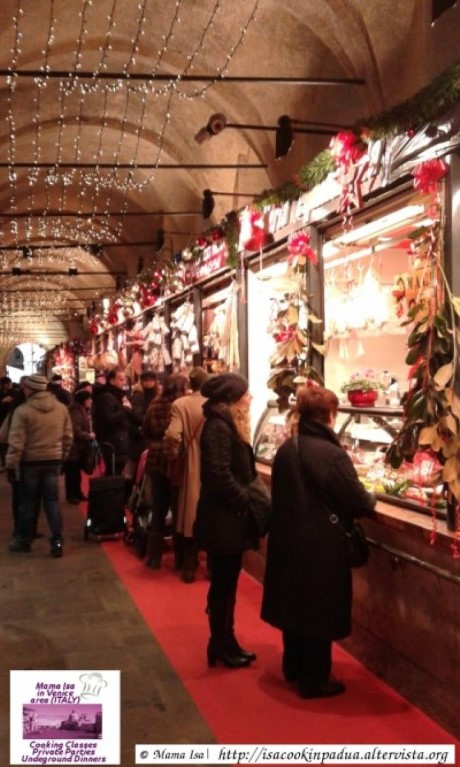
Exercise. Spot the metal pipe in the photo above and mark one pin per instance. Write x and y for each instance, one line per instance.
(105, 214)
(132, 166)
(439, 571)
(177, 78)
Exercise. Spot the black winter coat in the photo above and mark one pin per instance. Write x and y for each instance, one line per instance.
(227, 467)
(308, 585)
(112, 420)
(138, 442)
(81, 430)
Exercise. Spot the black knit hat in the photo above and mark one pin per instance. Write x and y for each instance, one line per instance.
(227, 387)
(148, 375)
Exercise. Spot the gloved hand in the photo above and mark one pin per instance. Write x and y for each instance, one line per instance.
(11, 475)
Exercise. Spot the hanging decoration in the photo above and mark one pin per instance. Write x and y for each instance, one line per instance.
(184, 337)
(253, 234)
(355, 156)
(290, 326)
(429, 435)
(300, 251)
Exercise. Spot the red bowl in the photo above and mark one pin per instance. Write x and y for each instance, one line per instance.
(361, 398)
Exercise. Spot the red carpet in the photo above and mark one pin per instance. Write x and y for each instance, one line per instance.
(254, 705)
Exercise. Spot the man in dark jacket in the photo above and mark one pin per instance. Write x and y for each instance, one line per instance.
(56, 386)
(111, 420)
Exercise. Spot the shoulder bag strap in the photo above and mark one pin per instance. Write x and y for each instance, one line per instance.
(194, 435)
(333, 518)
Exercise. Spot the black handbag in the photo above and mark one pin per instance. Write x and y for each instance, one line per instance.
(356, 543)
(260, 506)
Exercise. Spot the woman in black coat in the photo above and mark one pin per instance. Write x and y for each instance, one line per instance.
(80, 413)
(308, 585)
(223, 527)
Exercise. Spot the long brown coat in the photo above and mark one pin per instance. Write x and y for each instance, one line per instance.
(184, 432)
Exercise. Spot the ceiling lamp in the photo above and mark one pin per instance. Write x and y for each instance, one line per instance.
(160, 240)
(208, 202)
(284, 130)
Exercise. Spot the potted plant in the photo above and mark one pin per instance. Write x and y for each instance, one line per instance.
(363, 388)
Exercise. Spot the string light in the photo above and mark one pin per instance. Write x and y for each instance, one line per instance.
(137, 104)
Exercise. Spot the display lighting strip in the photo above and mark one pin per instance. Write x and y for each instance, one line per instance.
(408, 214)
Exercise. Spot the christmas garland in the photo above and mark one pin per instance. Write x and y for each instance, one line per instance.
(427, 106)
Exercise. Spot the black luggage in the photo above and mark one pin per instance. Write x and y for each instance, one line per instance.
(106, 507)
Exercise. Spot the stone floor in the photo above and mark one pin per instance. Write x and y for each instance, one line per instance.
(74, 613)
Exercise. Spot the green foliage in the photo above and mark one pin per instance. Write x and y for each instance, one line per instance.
(316, 171)
(231, 230)
(425, 107)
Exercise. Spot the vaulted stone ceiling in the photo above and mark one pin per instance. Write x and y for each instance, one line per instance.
(99, 108)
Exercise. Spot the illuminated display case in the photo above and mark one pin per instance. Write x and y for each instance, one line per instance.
(271, 431)
(366, 434)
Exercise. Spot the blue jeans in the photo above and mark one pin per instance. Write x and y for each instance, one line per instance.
(39, 482)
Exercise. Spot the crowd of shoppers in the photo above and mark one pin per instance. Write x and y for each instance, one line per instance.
(194, 433)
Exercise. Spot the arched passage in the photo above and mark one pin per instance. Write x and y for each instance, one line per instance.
(24, 359)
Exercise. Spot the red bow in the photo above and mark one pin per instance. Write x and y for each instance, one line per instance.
(346, 148)
(428, 174)
(299, 245)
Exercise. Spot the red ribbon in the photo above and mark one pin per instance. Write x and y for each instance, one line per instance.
(299, 245)
(428, 174)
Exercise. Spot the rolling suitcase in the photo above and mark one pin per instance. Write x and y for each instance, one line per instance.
(106, 506)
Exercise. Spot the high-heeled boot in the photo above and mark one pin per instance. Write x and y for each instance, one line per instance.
(230, 631)
(155, 542)
(219, 647)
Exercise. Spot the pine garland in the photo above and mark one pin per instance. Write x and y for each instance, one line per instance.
(426, 106)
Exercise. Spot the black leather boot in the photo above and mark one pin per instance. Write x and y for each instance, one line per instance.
(155, 542)
(190, 560)
(219, 647)
(178, 548)
(230, 631)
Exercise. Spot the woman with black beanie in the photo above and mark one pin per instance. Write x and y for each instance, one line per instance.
(223, 526)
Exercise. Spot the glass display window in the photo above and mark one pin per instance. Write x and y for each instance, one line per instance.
(373, 275)
(269, 288)
(271, 431)
(219, 326)
(366, 434)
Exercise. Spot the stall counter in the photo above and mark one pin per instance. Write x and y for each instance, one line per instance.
(406, 622)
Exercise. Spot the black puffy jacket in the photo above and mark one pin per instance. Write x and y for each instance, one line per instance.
(227, 467)
(112, 420)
